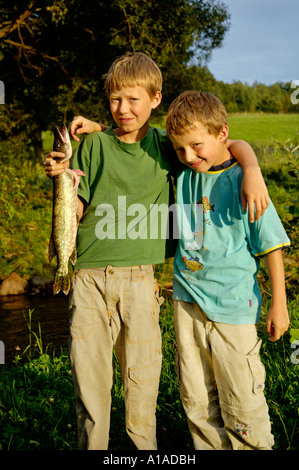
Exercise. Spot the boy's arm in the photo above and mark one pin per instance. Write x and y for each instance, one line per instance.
(81, 125)
(254, 190)
(278, 317)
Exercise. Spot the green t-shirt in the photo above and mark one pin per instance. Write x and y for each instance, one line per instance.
(126, 188)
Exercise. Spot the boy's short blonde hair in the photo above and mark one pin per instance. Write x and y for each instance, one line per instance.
(192, 107)
(131, 69)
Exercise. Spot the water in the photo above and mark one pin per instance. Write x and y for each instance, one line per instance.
(51, 312)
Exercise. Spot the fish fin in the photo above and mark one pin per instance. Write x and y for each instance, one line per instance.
(73, 257)
(51, 250)
(61, 283)
(79, 172)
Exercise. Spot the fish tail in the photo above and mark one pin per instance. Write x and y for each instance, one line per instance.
(61, 282)
(213, 207)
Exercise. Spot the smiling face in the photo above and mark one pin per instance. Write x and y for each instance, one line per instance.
(131, 109)
(201, 150)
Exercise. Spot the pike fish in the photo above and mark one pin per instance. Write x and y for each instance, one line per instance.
(65, 218)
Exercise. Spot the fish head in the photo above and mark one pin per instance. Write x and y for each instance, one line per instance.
(62, 142)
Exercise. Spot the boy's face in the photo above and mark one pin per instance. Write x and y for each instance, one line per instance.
(200, 150)
(131, 109)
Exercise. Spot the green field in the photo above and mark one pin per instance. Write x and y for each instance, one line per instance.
(263, 128)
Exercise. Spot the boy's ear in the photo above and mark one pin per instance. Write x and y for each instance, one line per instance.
(157, 99)
(223, 134)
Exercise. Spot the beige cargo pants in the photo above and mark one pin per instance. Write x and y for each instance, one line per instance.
(115, 308)
(221, 382)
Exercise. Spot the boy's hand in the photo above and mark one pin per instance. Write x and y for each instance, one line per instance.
(254, 193)
(277, 322)
(81, 125)
(53, 166)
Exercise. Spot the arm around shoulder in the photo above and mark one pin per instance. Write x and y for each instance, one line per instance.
(81, 125)
(254, 190)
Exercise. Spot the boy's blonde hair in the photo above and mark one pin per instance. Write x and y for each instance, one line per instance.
(192, 107)
(131, 69)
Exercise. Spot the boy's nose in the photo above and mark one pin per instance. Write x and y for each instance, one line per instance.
(189, 155)
(123, 107)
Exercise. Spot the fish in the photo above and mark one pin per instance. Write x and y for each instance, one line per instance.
(65, 214)
(206, 205)
(192, 264)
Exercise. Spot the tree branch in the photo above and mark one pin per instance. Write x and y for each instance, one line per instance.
(11, 26)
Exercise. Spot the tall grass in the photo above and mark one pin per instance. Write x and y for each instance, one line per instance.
(37, 408)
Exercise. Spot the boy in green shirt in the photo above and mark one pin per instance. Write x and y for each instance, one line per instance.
(114, 301)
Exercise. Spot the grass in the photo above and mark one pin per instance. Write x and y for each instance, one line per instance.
(36, 394)
(37, 405)
(263, 129)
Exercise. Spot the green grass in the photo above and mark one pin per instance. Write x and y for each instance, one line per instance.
(37, 404)
(263, 129)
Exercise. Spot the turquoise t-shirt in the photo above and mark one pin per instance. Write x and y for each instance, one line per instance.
(126, 188)
(218, 268)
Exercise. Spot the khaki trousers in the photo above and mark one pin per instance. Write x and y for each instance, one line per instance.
(221, 382)
(115, 308)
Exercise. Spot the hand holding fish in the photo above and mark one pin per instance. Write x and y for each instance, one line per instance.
(54, 164)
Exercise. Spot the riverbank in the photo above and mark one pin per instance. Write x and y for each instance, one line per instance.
(21, 313)
(37, 410)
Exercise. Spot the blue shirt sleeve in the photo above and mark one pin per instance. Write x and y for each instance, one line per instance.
(266, 234)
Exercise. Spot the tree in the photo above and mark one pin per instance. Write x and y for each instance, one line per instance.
(53, 53)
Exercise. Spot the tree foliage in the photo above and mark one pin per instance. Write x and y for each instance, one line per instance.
(53, 53)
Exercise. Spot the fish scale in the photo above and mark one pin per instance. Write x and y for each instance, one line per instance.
(64, 216)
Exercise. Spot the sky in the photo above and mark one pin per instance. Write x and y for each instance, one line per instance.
(262, 43)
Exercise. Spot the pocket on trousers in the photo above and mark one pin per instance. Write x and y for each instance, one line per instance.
(141, 311)
(143, 392)
(257, 369)
(81, 307)
(153, 292)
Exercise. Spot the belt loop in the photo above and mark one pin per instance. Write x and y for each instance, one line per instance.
(134, 270)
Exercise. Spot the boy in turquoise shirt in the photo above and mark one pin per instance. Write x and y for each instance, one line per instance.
(217, 301)
(114, 302)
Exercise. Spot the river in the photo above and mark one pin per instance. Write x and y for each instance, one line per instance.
(48, 311)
